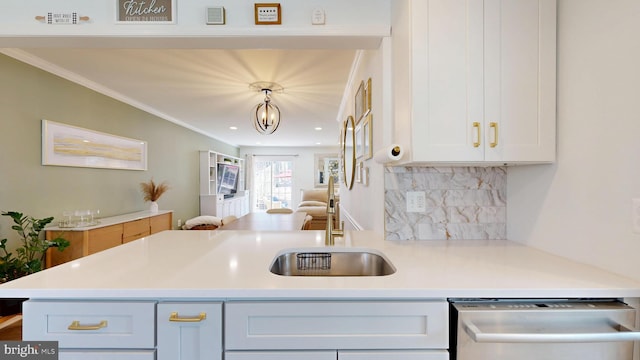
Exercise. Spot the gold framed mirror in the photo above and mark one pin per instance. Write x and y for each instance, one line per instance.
(349, 151)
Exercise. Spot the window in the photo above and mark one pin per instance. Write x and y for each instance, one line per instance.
(272, 182)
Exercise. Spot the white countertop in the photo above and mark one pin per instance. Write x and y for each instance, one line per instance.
(112, 220)
(235, 264)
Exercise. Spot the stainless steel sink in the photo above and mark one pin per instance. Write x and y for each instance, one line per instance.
(331, 262)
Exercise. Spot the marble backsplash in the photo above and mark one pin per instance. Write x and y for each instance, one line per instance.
(460, 203)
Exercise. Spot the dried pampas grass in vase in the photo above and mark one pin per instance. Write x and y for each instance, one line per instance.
(152, 192)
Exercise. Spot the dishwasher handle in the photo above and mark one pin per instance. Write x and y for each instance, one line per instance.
(623, 333)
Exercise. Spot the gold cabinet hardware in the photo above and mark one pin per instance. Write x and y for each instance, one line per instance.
(75, 325)
(476, 139)
(494, 127)
(174, 317)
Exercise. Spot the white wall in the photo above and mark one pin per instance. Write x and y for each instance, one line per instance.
(580, 207)
(365, 205)
(359, 18)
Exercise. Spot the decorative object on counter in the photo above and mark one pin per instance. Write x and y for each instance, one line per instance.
(150, 12)
(79, 218)
(33, 248)
(57, 18)
(152, 192)
(265, 116)
(66, 145)
(390, 153)
(268, 14)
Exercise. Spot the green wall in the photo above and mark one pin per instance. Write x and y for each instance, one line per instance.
(28, 95)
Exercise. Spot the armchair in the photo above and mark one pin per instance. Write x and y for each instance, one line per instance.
(314, 203)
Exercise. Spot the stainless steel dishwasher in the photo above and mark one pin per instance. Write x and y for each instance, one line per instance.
(542, 330)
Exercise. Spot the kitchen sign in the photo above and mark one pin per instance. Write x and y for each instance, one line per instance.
(146, 11)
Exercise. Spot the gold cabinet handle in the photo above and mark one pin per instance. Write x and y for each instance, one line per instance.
(174, 317)
(75, 325)
(494, 127)
(476, 139)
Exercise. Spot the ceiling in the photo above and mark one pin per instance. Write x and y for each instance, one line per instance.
(207, 90)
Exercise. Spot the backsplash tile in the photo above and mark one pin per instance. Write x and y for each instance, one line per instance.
(461, 203)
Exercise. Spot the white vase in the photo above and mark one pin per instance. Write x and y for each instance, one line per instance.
(154, 207)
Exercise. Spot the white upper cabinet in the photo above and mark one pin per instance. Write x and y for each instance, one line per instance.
(474, 81)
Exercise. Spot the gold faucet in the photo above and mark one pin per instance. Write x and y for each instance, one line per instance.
(331, 233)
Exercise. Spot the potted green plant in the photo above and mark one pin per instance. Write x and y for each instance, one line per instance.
(30, 254)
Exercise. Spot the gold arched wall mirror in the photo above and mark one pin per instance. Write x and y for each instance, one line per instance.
(349, 152)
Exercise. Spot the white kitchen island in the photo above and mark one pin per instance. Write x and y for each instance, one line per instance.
(169, 292)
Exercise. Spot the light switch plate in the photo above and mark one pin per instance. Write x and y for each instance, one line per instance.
(416, 201)
(318, 17)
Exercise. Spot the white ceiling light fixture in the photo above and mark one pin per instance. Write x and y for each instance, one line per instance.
(265, 116)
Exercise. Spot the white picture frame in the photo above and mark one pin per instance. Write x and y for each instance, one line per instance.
(67, 145)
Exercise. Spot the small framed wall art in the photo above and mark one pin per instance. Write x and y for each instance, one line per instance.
(367, 136)
(359, 104)
(146, 12)
(268, 14)
(367, 97)
(359, 141)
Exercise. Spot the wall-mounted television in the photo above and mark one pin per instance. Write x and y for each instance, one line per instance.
(228, 179)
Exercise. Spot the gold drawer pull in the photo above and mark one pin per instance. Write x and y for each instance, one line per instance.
(494, 126)
(476, 139)
(174, 317)
(76, 326)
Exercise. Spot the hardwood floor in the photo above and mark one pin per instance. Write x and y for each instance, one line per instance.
(11, 327)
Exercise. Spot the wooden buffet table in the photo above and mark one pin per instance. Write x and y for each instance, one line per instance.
(107, 233)
(267, 222)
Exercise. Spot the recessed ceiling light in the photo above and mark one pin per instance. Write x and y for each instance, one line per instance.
(233, 127)
(318, 128)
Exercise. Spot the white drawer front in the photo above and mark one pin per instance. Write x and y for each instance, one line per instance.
(336, 325)
(106, 355)
(393, 355)
(189, 331)
(115, 325)
(280, 355)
